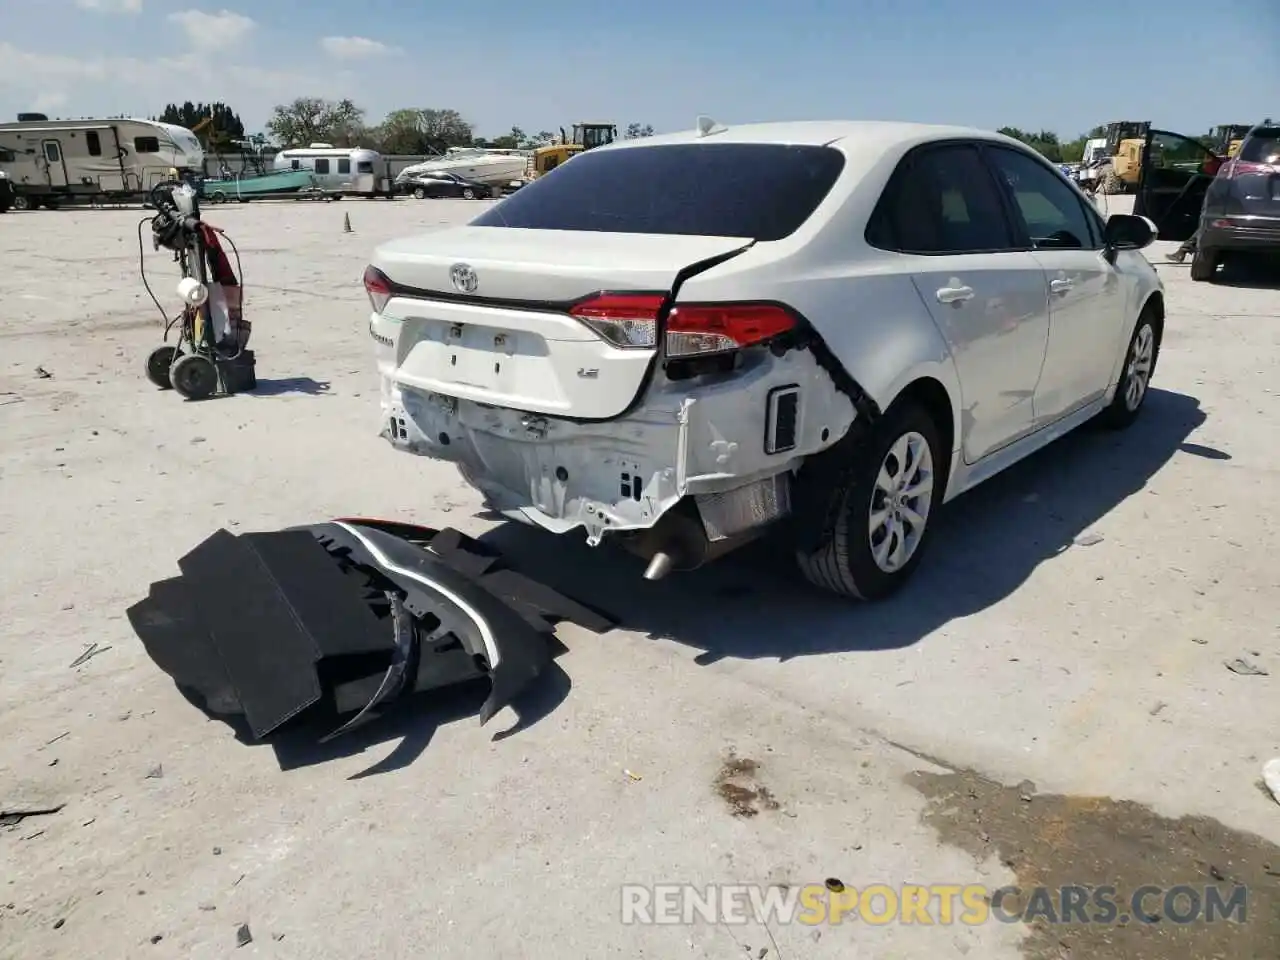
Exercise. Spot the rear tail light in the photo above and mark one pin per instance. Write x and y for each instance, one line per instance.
(378, 287)
(624, 319)
(1240, 168)
(703, 328)
(693, 330)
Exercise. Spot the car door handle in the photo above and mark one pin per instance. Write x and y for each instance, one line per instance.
(1061, 286)
(955, 294)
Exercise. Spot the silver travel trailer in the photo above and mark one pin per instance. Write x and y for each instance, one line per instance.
(50, 161)
(353, 171)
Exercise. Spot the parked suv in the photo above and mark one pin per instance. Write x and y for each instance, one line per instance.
(1242, 206)
(682, 341)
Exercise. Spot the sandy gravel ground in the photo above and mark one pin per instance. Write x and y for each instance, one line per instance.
(1090, 668)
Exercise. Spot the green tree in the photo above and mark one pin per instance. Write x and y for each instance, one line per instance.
(310, 120)
(223, 129)
(637, 130)
(415, 130)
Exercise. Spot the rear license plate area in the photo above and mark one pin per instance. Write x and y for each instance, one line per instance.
(475, 355)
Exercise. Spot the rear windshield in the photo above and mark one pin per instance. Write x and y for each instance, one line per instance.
(764, 191)
(1262, 147)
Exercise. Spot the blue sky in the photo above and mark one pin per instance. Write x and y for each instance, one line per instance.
(1183, 64)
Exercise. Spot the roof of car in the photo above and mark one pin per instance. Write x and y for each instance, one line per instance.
(868, 133)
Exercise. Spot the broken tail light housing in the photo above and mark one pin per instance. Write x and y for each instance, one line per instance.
(692, 330)
(378, 287)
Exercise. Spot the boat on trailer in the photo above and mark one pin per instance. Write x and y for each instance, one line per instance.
(281, 183)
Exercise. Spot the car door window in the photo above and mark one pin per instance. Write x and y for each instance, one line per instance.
(942, 200)
(1053, 212)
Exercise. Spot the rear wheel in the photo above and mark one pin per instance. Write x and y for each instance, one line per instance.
(21, 203)
(877, 507)
(1204, 265)
(468, 193)
(419, 193)
(158, 363)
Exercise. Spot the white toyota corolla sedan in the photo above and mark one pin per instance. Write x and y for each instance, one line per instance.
(826, 329)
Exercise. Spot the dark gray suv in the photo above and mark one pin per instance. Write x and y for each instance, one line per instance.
(1241, 211)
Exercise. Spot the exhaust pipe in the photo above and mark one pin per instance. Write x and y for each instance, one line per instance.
(679, 542)
(661, 564)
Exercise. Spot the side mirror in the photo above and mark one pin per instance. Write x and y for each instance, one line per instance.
(1125, 231)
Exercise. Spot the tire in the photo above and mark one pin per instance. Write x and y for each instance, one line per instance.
(219, 197)
(1140, 356)
(841, 494)
(1204, 264)
(419, 193)
(159, 362)
(468, 193)
(1111, 184)
(194, 377)
(21, 203)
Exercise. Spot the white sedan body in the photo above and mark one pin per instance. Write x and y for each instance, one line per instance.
(693, 317)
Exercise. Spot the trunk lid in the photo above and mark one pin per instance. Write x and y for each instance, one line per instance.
(544, 266)
(481, 313)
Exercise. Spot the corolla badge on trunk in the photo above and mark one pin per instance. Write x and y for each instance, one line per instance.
(464, 278)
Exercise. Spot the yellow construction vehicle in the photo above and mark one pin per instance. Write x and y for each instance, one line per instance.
(586, 136)
(1125, 140)
(1227, 138)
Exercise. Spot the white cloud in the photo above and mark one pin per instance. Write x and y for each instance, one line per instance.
(213, 31)
(111, 6)
(100, 86)
(49, 100)
(355, 48)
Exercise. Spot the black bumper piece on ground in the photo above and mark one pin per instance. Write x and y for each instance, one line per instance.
(350, 614)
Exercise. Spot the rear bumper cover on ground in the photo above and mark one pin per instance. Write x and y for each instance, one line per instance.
(351, 614)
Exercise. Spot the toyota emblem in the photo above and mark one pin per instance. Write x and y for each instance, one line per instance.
(464, 278)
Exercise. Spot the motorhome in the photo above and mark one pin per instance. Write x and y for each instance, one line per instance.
(50, 161)
(354, 171)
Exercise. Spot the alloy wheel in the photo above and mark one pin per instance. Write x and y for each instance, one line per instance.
(1138, 369)
(900, 502)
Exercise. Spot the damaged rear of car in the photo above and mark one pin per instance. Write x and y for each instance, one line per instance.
(556, 349)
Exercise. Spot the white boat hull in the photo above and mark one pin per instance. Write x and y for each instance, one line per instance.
(487, 170)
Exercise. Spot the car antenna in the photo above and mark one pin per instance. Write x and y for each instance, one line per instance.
(707, 126)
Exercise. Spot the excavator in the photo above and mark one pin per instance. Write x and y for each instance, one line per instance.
(586, 136)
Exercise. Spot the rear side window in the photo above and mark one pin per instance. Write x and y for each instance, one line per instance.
(146, 144)
(1262, 147)
(763, 191)
(942, 200)
(364, 166)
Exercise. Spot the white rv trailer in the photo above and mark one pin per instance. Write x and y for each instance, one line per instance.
(354, 171)
(53, 160)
